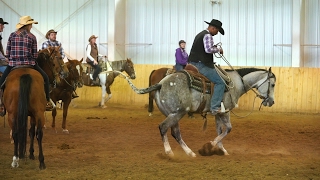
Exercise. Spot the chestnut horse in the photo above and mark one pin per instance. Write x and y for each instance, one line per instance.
(64, 90)
(24, 96)
(155, 77)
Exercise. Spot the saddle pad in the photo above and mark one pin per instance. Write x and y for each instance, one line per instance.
(198, 82)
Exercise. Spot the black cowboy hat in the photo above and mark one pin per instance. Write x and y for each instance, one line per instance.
(217, 24)
(2, 22)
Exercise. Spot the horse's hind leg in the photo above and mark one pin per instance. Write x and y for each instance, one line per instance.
(150, 105)
(171, 120)
(39, 135)
(222, 120)
(175, 132)
(32, 131)
(15, 159)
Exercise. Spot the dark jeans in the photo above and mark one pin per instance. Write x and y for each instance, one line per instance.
(97, 70)
(36, 67)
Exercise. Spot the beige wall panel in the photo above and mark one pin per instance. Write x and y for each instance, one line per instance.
(297, 90)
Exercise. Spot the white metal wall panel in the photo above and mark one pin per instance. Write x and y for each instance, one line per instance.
(75, 21)
(311, 46)
(257, 32)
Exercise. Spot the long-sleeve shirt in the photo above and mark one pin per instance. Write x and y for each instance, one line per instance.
(181, 56)
(54, 44)
(208, 43)
(22, 48)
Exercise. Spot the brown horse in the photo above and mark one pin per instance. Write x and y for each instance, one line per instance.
(107, 76)
(24, 96)
(154, 78)
(64, 90)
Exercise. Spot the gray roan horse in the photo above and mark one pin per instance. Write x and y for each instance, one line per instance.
(175, 98)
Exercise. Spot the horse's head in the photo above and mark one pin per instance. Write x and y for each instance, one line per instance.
(51, 62)
(266, 88)
(75, 72)
(129, 68)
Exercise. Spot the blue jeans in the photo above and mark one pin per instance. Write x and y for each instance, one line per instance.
(219, 85)
(179, 67)
(2, 68)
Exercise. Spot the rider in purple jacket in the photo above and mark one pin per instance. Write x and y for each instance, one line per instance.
(181, 56)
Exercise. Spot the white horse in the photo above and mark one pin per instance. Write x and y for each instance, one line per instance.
(175, 97)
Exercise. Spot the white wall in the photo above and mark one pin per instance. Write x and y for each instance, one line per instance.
(75, 21)
(257, 32)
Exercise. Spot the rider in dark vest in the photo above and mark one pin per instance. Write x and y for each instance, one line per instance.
(201, 56)
(92, 58)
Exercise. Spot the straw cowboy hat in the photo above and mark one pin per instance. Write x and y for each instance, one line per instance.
(217, 24)
(91, 37)
(25, 20)
(49, 32)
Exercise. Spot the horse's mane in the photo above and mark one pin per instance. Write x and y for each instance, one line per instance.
(117, 65)
(244, 71)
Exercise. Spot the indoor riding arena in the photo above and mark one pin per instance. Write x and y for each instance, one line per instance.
(271, 132)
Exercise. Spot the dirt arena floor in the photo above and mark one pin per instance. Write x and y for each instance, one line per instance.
(123, 142)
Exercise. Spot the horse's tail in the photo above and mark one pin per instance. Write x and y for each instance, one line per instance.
(24, 91)
(150, 77)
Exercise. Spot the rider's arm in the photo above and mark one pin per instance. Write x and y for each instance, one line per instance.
(45, 45)
(209, 46)
(61, 51)
(88, 53)
(2, 56)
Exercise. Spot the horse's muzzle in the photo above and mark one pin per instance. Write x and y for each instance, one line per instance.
(133, 76)
(268, 102)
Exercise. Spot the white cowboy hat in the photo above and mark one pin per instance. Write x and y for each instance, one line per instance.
(25, 20)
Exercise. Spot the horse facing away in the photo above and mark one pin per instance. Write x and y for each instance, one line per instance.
(107, 77)
(64, 90)
(24, 96)
(175, 98)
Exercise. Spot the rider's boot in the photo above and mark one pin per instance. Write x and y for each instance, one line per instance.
(50, 105)
(74, 95)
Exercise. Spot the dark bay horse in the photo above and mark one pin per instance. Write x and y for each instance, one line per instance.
(175, 98)
(64, 90)
(155, 77)
(24, 96)
(108, 74)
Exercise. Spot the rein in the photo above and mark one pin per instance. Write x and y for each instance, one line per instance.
(244, 83)
(51, 67)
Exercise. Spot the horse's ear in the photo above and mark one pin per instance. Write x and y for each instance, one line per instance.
(269, 69)
(68, 59)
(81, 60)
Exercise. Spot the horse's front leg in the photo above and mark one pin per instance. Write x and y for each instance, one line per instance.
(175, 132)
(65, 113)
(222, 120)
(32, 132)
(53, 124)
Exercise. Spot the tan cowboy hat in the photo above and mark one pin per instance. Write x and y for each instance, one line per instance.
(91, 37)
(25, 20)
(49, 32)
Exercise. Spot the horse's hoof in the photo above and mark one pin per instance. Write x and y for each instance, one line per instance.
(192, 154)
(42, 166)
(150, 114)
(170, 154)
(103, 107)
(31, 156)
(65, 131)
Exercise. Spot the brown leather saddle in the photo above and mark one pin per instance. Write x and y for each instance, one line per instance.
(198, 81)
